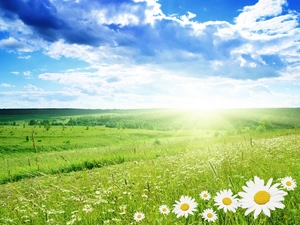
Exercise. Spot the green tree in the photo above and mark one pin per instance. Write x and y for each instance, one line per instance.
(47, 124)
(32, 122)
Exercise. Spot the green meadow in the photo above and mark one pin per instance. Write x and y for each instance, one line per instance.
(63, 166)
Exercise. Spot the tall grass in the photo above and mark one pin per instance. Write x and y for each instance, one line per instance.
(120, 146)
(113, 193)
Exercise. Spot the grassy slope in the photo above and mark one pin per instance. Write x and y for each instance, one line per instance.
(13, 138)
(142, 169)
(116, 192)
(75, 148)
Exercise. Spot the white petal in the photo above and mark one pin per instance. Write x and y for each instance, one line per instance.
(249, 210)
(266, 211)
(278, 205)
(269, 183)
(258, 181)
(257, 212)
(277, 198)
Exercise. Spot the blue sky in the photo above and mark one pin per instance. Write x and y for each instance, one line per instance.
(149, 54)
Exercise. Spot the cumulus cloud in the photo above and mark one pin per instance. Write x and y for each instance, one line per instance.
(272, 36)
(265, 19)
(139, 32)
(134, 50)
(106, 80)
(13, 44)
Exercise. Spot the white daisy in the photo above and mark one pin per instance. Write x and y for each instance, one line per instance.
(259, 197)
(225, 200)
(209, 215)
(87, 208)
(185, 206)
(205, 195)
(163, 209)
(138, 216)
(288, 183)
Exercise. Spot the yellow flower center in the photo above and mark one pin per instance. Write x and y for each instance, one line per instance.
(209, 215)
(205, 195)
(227, 201)
(164, 209)
(288, 183)
(185, 207)
(139, 216)
(262, 197)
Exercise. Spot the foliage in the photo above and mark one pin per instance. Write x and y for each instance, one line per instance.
(159, 119)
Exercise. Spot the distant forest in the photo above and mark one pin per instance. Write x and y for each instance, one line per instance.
(156, 119)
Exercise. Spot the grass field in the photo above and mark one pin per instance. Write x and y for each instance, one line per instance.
(100, 175)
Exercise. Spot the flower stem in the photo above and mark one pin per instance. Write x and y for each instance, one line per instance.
(187, 221)
(271, 221)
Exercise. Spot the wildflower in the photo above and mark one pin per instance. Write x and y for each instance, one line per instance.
(50, 221)
(123, 209)
(163, 209)
(144, 196)
(259, 197)
(71, 222)
(116, 220)
(226, 201)
(288, 183)
(205, 195)
(74, 218)
(209, 215)
(138, 216)
(110, 210)
(87, 208)
(185, 206)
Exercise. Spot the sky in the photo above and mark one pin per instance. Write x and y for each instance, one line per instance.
(106, 54)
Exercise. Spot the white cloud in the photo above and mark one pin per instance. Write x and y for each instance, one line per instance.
(39, 99)
(188, 17)
(82, 52)
(263, 21)
(15, 72)
(14, 27)
(22, 37)
(13, 44)
(24, 57)
(226, 33)
(141, 56)
(107, 80)
(137, 33)
(6, 85)
(260, 11)
(162, 88)
(126, 16)
(270, 36)
(27, 75)
(153, 12)
(31, 87)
